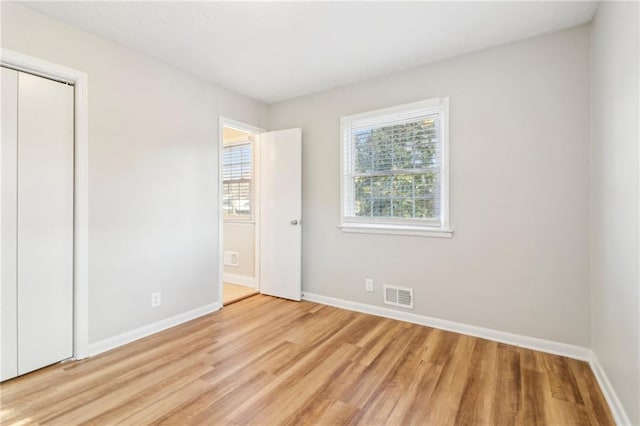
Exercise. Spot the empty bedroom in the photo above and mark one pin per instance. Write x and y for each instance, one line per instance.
(323, 213)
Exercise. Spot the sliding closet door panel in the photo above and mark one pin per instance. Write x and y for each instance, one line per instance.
(8, 226)
(45, 222)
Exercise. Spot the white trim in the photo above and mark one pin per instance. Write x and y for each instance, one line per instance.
(241, 140)
(243, 280)
(420, 231)
(239, 125)
(557, 348)
(81, 184)
(257, 199)
(247, 128)
(240, 221)
(147, 330)
(617, 409)
(398, 109)
(445, 208)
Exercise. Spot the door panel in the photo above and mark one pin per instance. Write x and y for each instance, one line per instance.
(8, 226)
(45, 222)
(281, 213)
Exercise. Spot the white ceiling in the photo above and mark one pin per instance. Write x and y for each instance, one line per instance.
(274, 51)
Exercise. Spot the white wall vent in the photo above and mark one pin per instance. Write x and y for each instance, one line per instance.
(230, 258)
(398, 296)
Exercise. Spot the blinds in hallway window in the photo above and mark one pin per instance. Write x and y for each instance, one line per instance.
(237, 180)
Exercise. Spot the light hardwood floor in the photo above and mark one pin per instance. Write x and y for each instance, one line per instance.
(265, 361)
(233, 293)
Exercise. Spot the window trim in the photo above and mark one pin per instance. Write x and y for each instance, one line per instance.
(248, 219)
(416, 227)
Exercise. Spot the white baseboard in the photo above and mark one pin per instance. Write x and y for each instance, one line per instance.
(243, 280)
(617, 410)
(563, 349)
(144, 331)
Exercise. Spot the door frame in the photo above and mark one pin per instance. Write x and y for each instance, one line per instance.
(79, 79)
(248, 128)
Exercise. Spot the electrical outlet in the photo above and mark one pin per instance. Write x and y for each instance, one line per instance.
(368, 284)
(156, 299)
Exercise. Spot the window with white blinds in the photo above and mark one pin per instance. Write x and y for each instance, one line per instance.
(395, 173)
(237, 180)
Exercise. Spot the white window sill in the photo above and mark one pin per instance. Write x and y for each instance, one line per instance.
(419, 231)
(240, 221)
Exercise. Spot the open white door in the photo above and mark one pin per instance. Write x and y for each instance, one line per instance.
(281, 213)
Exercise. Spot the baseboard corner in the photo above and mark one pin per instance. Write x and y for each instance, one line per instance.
(243, 280)
(615, 405)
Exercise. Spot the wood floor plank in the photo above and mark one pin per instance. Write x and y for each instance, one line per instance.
(265, 360)
(417, 411)
(327, 412)
(449, 389)
(507, 404)
(85, 389)
(440, 347)
(375, 374)
(476, 403)
(158, 409)
(562, 380)
(234, 293)
(533, 397)
(90, 406)
(596, 407)
(216, 403)
(288, 394)
(393, 400)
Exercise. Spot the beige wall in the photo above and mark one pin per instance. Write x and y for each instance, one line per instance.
(519, 257)
(615, 232)
(239, 238)
(153, 204)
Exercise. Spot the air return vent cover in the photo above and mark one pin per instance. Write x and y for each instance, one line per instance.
(398, 296)
(230, 258)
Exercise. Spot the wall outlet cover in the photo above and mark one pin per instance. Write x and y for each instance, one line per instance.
(368, 284)
(156, 299)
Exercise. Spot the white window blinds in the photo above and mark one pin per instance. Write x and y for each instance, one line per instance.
(237, 180)
(393, 167)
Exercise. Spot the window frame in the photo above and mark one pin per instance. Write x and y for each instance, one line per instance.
(238, 218)
(397, 226)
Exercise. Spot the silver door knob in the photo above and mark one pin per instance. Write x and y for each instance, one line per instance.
(294, 222)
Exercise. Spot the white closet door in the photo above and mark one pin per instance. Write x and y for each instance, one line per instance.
(8, 230)
(45, 222)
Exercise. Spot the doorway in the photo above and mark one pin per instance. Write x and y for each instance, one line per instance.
(239, 199)
(260, 187)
